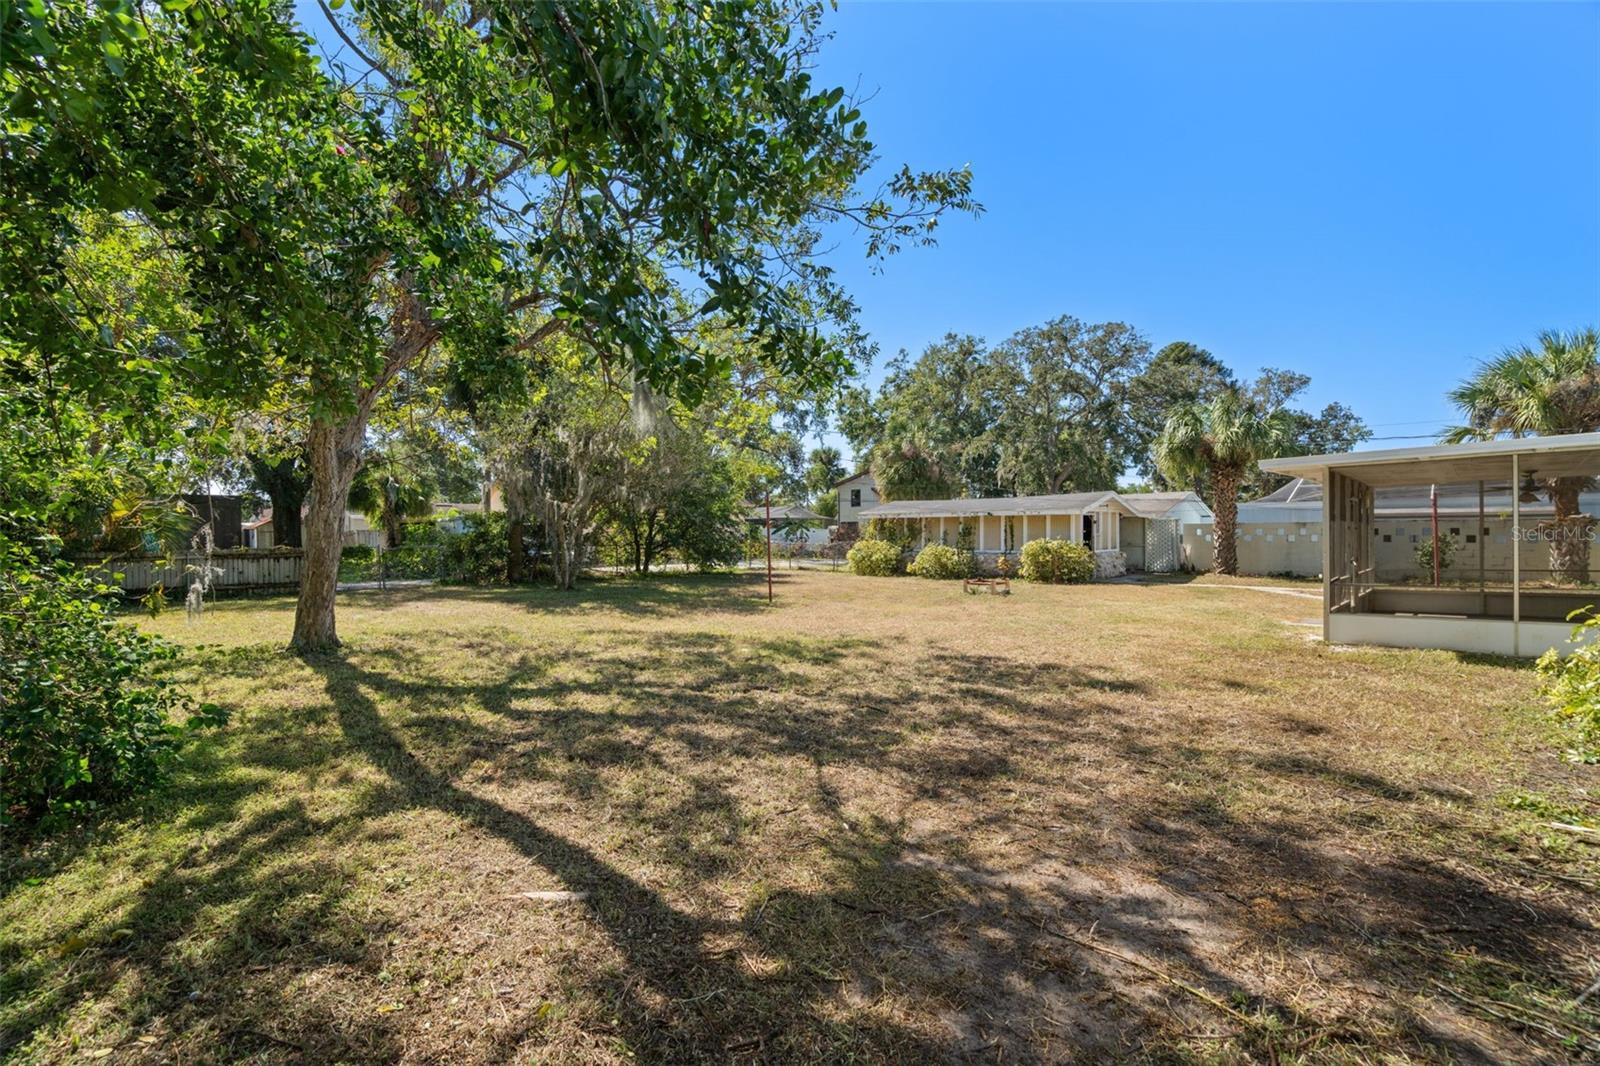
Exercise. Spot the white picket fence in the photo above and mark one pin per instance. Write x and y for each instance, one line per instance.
(241, 569)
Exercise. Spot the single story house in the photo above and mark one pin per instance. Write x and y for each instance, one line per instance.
(798, 524)
(1140, 531)
(355, 530)
(1507, 589)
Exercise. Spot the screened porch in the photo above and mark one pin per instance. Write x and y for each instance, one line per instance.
(1485, 547)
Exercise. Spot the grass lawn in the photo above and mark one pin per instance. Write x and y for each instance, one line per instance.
(880, 821)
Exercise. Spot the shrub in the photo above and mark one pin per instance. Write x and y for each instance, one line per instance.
(874, 558)
(941, 561)
(83, 719)
(1572, 685)
(1056, 561)
(1424, 554)
(474, 556)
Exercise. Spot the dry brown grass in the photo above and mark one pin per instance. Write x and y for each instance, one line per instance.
(878, 821)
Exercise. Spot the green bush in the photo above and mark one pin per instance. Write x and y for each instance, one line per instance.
(1424, 554)
(942, 562)
(474, 556)
(1572, 685)
(1056, 561)
(83, 719)
(874, 558)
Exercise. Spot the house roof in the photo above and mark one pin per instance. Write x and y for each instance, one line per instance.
(782, 512)
(1068, 503)
(1297, 491)
(1572, 454)
(1158, 504)
(1304, 499)
(857, 476)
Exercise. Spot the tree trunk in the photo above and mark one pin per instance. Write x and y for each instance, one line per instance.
(516, 551)
(1569, 544)
(334, 453)
(285, 485)
(1225, 505)
(649, 542)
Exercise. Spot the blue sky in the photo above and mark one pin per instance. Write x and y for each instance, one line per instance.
(1376, 195)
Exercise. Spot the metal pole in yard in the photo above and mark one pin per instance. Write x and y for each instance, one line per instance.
(1433, 502)
(769, 545)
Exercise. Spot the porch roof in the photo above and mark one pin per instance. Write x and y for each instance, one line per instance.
(1066, 503)
(1567, 455)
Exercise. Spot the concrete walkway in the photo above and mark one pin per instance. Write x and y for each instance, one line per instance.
(1280, 590)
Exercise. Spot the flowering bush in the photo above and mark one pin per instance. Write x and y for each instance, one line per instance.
(1572, 685)
(1056, 561)
(874, 558)
(941, 561)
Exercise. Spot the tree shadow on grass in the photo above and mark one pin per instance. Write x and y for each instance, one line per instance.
(965, 889)
(175, 944)
(675, 998)
(664, 595)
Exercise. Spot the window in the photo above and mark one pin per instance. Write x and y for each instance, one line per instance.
(855, 497)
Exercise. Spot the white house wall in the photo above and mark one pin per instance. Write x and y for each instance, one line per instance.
(1267, 548)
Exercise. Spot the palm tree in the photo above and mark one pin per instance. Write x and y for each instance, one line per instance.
(1220, 440)
(389, 492)
(909, 468)
(1528, 391)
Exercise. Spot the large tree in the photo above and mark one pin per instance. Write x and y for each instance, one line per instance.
(1181, 373)
(1221, 441)
(462, 179)
(1529, 390)
(1066, 393)
(930, 429)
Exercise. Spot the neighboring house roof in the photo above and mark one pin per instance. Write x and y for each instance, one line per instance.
(1160, 504)
(1300, 500)
(783, 512)
(442, 507)
(1560, 455)
(1068, 503)
(857, 476)
(1298, 490)
(262, 519)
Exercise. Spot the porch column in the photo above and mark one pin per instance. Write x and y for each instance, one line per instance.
(1024, 530)
(1516, 554)
(981, 540)
(924, 534)
(1483, 581)
(1047, 533)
